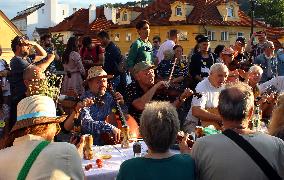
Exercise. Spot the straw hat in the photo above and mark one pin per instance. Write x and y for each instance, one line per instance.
(34, 110)
(97, 71)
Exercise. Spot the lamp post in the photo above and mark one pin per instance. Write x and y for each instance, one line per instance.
(252, 8)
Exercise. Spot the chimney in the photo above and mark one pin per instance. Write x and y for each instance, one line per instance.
(110, 14)
(92, 13)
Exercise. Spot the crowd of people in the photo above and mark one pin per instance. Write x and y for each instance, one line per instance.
(156, 87)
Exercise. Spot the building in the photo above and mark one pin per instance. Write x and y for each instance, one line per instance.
(41, 16)
(85, 22)
(222, 21)
(9, 31)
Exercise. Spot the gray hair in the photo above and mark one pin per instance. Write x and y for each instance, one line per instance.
(235, 102)
(268, 44)
(159, 125)
(218, 67)
(256, 68)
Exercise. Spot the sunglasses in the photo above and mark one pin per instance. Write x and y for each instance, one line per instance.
(271, 47)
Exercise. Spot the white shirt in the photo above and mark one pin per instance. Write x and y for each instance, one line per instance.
(277, 82)
(58, 160)
(209, 99)
(167, 45)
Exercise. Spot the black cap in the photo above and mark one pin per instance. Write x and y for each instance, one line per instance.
(241, 39)
(197, 37)
(203, 39)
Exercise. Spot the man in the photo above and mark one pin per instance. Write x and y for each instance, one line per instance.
(204, 109)
(280, 58)
(143, 90)
(268, 62)
(48, 46)
(156, 46)
(168, 44)
(218, 157)
(22, 59)
(141, 49)
(36, 126)
(95, 106)
(113, 61)
(257, 49)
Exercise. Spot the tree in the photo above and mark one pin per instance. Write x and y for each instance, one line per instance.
(272, 11)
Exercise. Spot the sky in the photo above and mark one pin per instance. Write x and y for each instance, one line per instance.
(11, 7)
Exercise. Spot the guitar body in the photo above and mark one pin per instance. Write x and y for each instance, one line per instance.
(206, 123)
(114, 120)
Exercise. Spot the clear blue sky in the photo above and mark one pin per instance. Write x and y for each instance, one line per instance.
(11, 7)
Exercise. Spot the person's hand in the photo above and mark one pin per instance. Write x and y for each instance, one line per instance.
(161, 84)
(116, 133)
(183, 146)
(186, 93)
(50, 56)
(29, 43)
(119, 98)
(85, 103)
(79, 145)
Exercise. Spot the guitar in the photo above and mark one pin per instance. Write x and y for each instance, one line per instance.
(205, 123)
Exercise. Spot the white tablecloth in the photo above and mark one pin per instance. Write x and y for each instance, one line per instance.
(110, 166)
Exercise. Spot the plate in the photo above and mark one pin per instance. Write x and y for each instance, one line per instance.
(105, 156)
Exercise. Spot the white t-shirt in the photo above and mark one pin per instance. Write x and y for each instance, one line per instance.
(277, 82)
(167, 45)
(209, 99)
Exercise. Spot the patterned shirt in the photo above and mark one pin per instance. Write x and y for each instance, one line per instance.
(93, 118)
(134, 91)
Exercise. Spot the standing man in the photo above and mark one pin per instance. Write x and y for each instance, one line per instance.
(141, 49)
(280, 59)
(48, 46)
(268, 62)
(113, 60)
(257, 49)
(22, 59)
(156, 46)
(168, 44)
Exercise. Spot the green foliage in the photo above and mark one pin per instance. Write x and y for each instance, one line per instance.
(56, 39)
(272, 11)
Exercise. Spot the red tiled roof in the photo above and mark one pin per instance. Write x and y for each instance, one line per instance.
(205, 12)
(78, 22)
(273, 34)
(101, 23)
(27, 12)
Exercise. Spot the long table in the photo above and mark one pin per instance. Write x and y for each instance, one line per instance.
(110, 166)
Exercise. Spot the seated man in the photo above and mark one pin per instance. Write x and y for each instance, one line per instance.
(36, 126)
(219, 157)
(143, 90)
(95, 106)
(205, 108)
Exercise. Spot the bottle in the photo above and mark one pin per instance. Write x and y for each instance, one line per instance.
(257, 118)
(87, 150)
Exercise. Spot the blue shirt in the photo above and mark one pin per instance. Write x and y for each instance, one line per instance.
(280, 57)
(269, 67)
(93, 118)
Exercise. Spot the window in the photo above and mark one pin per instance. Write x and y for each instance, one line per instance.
(63, 12)
(42, 11)
(211, 35)
(178, 11)
(124, 16)
(74, 9)
(182, 36)
(224, 36)
(116, 37)
(128, 36)
(230, 11)
(240, 34)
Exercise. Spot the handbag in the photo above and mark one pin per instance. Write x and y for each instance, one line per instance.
(264, 165)
(31, 159)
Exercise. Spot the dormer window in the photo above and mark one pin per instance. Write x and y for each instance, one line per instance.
(231, 11)
(124, 16)
(178, 11)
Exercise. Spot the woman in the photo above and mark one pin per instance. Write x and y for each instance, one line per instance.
(159, 127)
(180, 69)
(31, 139)
(276, 127)
(74, 68)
